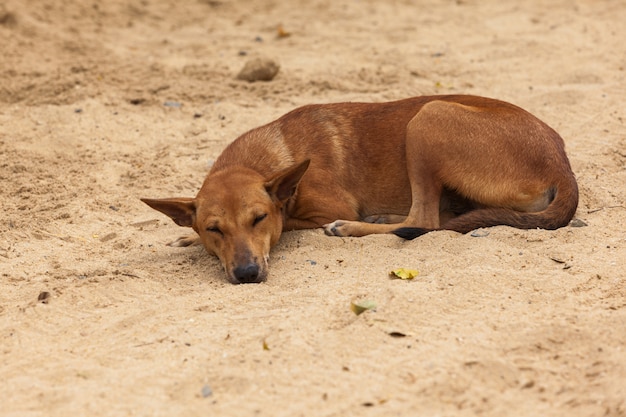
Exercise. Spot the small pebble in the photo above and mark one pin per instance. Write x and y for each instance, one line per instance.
(108, 237)
(577, 223)
(479, 233)
(259, 69)
(44, 297)
(206, 391)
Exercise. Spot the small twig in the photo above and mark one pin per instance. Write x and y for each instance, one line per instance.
(607, 207)
(63, 238)
(144, 344)
(160, 340)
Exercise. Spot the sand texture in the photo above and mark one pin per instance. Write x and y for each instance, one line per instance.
(102, 103)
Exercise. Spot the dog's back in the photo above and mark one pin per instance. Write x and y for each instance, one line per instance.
(358, 155)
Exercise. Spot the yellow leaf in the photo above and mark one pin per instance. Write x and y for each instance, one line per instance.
(361, 306)
(282, 33)
(404, 273)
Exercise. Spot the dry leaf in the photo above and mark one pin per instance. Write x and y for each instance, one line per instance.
(282, 33)
(361, 306)
(404, 273)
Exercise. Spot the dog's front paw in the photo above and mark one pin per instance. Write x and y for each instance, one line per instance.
(185, 241)
(384, 218)
(336, 228)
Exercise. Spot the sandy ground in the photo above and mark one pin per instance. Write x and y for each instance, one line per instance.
(105, 102)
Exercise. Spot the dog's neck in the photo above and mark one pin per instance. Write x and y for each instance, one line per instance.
(262, 149)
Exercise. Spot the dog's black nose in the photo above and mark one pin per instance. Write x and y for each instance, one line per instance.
(247, 273)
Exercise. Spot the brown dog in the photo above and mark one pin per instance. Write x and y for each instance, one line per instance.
(406, 167)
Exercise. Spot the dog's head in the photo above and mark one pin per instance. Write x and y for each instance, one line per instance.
(238, 216)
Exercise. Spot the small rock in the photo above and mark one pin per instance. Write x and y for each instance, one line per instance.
(577, 223)
(259, 69)
(137, 101)
(206, 391)
(108, 237)
(480, 233)
(44, 297)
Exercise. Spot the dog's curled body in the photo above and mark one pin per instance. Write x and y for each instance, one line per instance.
(406, 167)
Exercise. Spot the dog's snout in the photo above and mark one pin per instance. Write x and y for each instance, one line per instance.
(247, 273)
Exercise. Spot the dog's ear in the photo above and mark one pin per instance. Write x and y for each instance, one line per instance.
(181, 210)
(283, 184)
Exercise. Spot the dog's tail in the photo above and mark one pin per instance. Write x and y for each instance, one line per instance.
(558, 214)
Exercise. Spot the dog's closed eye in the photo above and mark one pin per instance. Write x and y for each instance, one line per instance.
(214, 229)
(258, 219)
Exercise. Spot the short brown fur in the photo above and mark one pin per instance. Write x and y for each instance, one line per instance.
(406, 167)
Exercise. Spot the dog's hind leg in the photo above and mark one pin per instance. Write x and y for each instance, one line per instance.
(426, 189)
